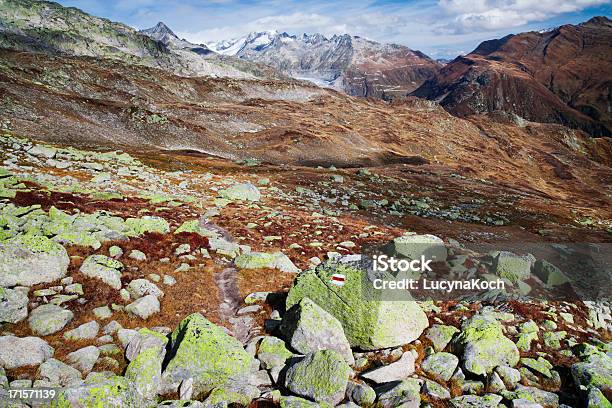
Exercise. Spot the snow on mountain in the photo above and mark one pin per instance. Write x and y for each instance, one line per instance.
(161, 32)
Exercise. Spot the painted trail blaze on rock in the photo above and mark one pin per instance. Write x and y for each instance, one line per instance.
(368, 324)
(205, 352)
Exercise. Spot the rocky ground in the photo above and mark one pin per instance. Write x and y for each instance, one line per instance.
(132, 279)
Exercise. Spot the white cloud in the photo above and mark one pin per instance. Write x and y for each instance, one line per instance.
(486, 15)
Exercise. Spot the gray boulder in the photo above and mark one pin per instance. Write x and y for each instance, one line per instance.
(48, 319)
(142, 340)
(440, 366)
(405, 394)
(86, 331)
(101, 267)
(18, 352)
(205, 352)
(321, 376)
(360, 394)
(142, 287)
(513, 267)
(84, 359)
(13, 304)
(57, 374)
(483, 345)
(244, 191)
(440, 335)
(30, 260)
(144, 307)
(308, 328)
(474, 401)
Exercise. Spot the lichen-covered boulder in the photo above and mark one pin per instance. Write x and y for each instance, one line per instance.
(512, 266)
(308, 328)
(142, 340)
(139, 226)
(108, 270)
(440, 365)
(483, 345)
(13, 304)
(405, 393)
(99, 391)
(440, 335)
(296, 402)
(368, 323)
(18, 352)
(244, 191)
(145, 371)
(271, 352)
(595, 371)
(549, 273)
(48, 319)
(321, 376)
(360, 393)
(258, 260)
(28, 260)
(205, 352)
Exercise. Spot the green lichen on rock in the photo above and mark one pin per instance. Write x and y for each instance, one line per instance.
(139, 226)
(244, 191)
(484, 346)
(321, 376)
(513, 267)
(194, 227)
(206, 353)
(368, 323)
(595, 371)
(540, 365)
(272, 352)
(144, 372)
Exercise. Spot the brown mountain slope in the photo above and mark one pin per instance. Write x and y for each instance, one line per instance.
(92, 102)
(561, 76)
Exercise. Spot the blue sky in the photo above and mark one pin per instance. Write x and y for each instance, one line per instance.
(440, 28)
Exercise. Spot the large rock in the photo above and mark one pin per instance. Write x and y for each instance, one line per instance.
(29, 260)
(549, 273)
(18, 352)
(473, 401)
(48, 319)
(205, 352)
(244, 191)
(483, 345)
(272, 352)
(108, 270)
(142, 340)
(369, 323)
(321, 376)
(308, 328)
(440, 335)
(144, 372)
(13, 304)
(142, 287)
(397, 370)
(595, 371)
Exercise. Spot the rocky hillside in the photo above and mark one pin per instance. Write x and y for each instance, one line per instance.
(131, 280)
(358, 66)
(47, 27)
(559, 76)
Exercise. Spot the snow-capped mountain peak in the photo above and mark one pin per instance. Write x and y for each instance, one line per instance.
(162, 33)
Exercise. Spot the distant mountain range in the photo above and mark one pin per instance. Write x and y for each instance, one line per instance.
(561, 75)
(358, 66)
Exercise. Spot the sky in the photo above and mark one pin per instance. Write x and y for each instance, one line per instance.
(440, 28)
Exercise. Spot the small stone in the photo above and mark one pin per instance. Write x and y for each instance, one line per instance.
(75, 288)
(435, 390)
(169, 280)
(182, 249)
(112, 327)
(142, 287)
(109, 350)
(183, 267)
(108, 270)
(360, 394)
(404, 394)
(137, 255)
(13, 304)
(115, 252)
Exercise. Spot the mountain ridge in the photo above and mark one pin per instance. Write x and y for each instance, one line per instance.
(561, 75)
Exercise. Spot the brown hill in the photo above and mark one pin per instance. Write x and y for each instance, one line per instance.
(560, 76)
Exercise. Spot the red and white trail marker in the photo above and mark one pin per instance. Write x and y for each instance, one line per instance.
(338, 279)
